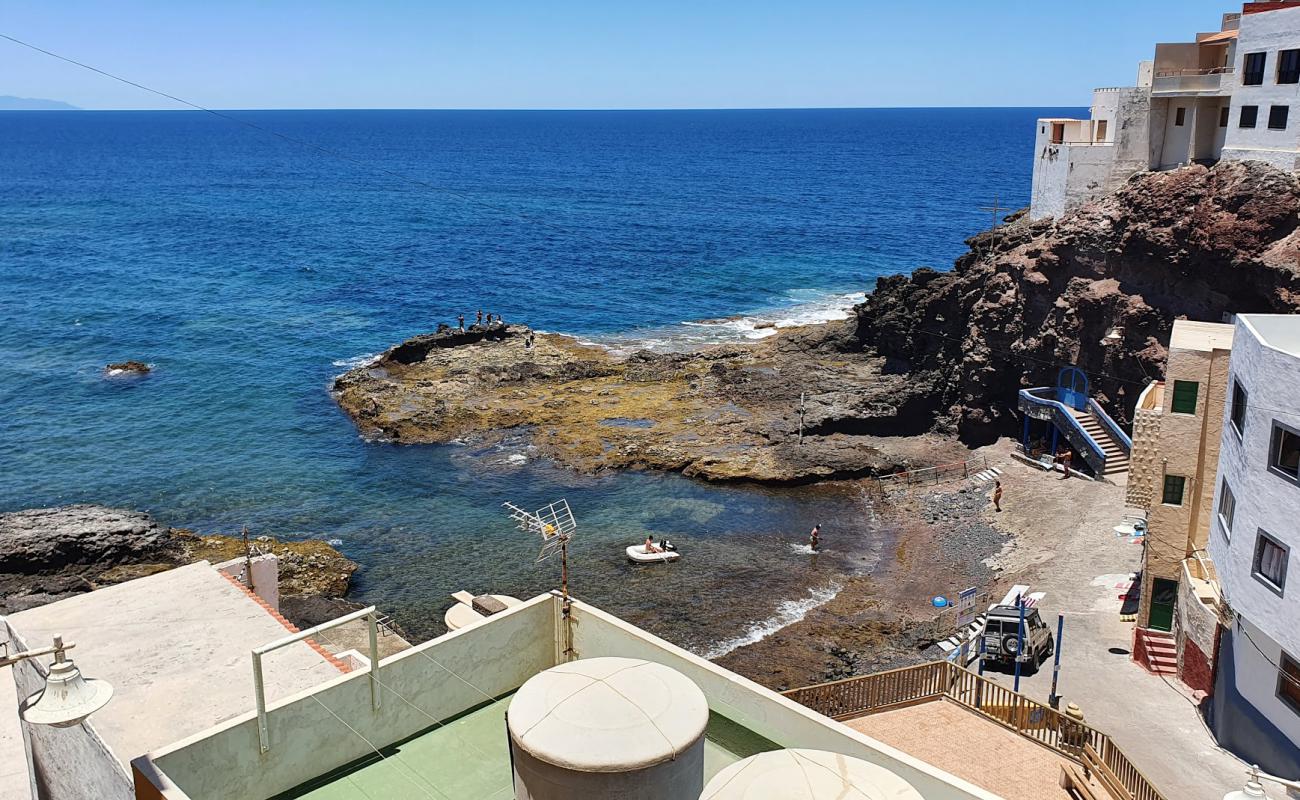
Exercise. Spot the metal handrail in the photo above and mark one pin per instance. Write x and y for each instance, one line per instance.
(1176, 73)
(1062, 410)
(259, 686)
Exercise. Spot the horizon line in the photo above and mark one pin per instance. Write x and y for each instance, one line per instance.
(546, 109)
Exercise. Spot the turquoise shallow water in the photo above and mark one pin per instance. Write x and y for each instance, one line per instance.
(249, 272)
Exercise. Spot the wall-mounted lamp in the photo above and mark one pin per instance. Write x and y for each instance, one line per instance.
(68, 697)
(1113, 336)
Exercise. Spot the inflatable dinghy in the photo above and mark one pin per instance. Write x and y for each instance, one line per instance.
(637, 555)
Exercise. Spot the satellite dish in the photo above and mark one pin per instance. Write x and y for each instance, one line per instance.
(68, 696)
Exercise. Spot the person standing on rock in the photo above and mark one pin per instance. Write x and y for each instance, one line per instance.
(460, 320)
(814, 537)
(479, 320)
(997, 495)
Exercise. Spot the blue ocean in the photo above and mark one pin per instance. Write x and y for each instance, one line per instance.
(248, 269)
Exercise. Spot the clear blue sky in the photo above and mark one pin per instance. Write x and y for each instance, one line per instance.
(597, 54)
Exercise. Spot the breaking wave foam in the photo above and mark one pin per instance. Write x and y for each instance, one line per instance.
(803, 307)
(787, 613)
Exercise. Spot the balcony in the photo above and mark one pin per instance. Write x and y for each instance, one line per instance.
(1191, 81)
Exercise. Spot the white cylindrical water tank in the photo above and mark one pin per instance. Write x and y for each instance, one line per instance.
(807, 775)
(608, 729)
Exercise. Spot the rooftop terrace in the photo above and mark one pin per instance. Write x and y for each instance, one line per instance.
(432, 718)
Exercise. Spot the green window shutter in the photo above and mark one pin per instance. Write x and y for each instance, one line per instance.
(1174, 485)
(1185, 397)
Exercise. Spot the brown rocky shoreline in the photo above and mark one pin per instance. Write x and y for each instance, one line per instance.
(47, 554)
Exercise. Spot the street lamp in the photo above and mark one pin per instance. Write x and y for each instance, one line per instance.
(68, 697)
(1255, 790)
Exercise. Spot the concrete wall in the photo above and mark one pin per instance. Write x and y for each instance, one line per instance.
(1145, 468)
(70, 763)
(1198, 634)
(265, 578)
(1239, 726)
(307, 740)
(1265, 32)
(17, 773)
(761, 710)
(1176, 140)
(1264, 501)
(1051, 169)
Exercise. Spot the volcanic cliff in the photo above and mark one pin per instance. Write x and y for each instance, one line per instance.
(1032, 296)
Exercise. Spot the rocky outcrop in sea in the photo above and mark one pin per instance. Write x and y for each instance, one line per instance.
(47, 554)
(943, 352)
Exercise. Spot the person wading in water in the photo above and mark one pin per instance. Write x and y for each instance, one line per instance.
(814, 538)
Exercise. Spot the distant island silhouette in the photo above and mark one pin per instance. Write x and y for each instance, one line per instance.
(10, 103)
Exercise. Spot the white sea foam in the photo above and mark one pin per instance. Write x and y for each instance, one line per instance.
(802, 307)
(787, 613)
(356, 361)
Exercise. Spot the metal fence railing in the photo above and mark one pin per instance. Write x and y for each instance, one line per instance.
(923, 476)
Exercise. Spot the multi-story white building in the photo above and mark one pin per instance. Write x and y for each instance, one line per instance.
(1227, 94)
(1266, 88)
(1255, 546)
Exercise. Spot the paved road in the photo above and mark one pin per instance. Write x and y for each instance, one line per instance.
(1071, 552)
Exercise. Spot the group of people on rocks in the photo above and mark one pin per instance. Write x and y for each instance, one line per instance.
(480, 321)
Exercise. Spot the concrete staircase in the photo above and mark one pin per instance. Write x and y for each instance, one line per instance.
(1116, 458)
(1156, 651)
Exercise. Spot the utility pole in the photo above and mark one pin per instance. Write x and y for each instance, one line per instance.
(248, 560)
(994, 210)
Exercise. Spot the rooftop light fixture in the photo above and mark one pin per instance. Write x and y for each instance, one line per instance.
(68, 697)
(1254, 789)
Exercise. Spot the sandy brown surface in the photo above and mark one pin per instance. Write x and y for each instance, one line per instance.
(971, 747)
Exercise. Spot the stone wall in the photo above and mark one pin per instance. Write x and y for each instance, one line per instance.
(1144, 461)
(1197, 631)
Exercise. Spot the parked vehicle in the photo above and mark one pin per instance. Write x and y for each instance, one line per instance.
(1003, 642)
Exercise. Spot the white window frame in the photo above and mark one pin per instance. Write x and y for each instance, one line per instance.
(1226, 497)
(1263, 537)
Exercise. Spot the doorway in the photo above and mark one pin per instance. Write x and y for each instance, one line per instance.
(1164, 596)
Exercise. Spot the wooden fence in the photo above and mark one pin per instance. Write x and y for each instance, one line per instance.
(941, 680)
(925, 476)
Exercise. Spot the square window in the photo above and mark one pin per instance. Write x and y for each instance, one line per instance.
(1270, 562)
(1173, 494)
(1223, 117)
(1284, 454)
(1248, 116)
(1227, 508)
(1277, 117)
(1288, 682)
(1180, 116)
(1252, 71)
(1185, 397)
(1239, 407)
(1288, 66)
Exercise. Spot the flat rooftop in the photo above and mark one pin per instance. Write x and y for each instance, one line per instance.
(1203, 336)
(1278, 331)
(990, 756)
(468, 758)
(175, 646)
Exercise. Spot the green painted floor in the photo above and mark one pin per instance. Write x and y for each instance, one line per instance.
(468, 758)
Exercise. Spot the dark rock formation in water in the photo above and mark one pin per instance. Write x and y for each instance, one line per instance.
(127, 368)
(1031, 297)
(47, 554)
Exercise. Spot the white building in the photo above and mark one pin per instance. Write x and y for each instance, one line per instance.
(1266, 88)
(1227, 94)
(1255, 545)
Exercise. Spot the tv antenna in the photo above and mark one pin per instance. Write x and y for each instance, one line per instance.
(556, 525)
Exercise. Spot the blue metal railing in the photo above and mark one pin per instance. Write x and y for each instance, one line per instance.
(1065, 421)
(1112, 427)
